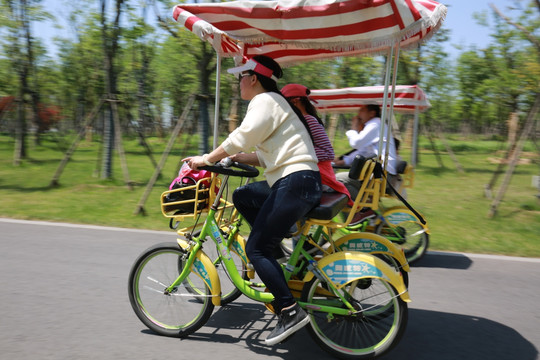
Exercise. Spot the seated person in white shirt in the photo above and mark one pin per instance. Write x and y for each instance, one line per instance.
(364, 139)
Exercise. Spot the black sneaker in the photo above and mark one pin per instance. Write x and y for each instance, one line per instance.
(290, 321)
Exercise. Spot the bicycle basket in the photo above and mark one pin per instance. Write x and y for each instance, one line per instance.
(186, 198)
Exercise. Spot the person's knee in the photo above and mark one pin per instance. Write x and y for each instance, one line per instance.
(253, 250)
(236, 196)
(239, 198)
(238, 193)
(250, 252)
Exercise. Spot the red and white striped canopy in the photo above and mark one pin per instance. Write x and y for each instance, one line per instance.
(408, 99)
(292, 31)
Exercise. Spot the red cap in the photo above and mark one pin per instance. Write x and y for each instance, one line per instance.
(296, 90)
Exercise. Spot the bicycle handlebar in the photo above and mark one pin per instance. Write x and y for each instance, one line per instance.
(225, 167)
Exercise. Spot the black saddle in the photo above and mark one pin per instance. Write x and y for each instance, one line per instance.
(330, 205)
(401, 166)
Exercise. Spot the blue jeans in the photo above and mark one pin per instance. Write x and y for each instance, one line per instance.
(272, 212)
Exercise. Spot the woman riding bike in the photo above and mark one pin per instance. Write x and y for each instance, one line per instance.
(282, 142)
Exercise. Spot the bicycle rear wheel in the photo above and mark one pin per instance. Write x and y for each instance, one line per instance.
(375, 329)
(178, 313)
(410, 235)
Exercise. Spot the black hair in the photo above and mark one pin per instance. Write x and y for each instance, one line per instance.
(376, 108)
(310, 109)
(271, 86)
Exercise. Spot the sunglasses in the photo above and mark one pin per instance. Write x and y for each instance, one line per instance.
(241, 75)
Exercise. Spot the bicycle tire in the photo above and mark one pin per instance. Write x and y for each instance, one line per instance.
(178, 314)
(395, 264)
(410, 235)
(365, 335)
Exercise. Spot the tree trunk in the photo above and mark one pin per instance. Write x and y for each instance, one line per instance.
(526, 133)
(20, 134)
(110, 47)
(145, 119)
(30, 65)
(20, 63)
(205, 64)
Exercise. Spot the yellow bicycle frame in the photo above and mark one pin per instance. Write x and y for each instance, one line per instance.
(342, 268)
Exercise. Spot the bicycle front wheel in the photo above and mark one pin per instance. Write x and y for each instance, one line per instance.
(177, 313)
(375, 328)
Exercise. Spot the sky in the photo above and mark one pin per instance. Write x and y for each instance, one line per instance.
(464, 29)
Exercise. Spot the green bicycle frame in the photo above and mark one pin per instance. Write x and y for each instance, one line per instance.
(198, 262)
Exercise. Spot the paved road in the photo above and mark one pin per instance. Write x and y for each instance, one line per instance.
(64, 296)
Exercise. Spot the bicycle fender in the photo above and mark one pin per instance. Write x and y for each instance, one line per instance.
(372, 244)
(344, 267)
(404, 214)
(239, 247)
(205, 269)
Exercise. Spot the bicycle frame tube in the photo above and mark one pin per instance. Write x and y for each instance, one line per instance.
(211, 229)
(314, 271)
(234, 243)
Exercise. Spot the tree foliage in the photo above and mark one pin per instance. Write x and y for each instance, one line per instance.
(157, 64)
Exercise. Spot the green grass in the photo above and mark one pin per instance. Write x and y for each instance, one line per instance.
(453, 203)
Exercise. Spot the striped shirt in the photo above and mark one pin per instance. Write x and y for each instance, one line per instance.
(323, 147)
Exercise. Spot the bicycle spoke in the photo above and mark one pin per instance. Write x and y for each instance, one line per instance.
(178, 312)
(374, 328)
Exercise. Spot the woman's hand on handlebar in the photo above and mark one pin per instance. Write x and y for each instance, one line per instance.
(246, 158)
(226, 166)
(195, 162)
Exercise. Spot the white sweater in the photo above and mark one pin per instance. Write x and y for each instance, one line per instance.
(281, 140)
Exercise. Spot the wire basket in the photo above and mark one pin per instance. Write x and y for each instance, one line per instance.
(188, 200)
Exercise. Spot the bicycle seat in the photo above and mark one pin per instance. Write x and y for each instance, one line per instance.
(401, 166)
(330, 205)
(357, 166)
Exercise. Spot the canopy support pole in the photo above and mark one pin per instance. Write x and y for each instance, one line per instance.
(385, 98)
(388, 120)
(217, 100)
(414, 153)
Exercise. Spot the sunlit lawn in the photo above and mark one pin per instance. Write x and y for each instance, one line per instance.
(453, 203)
